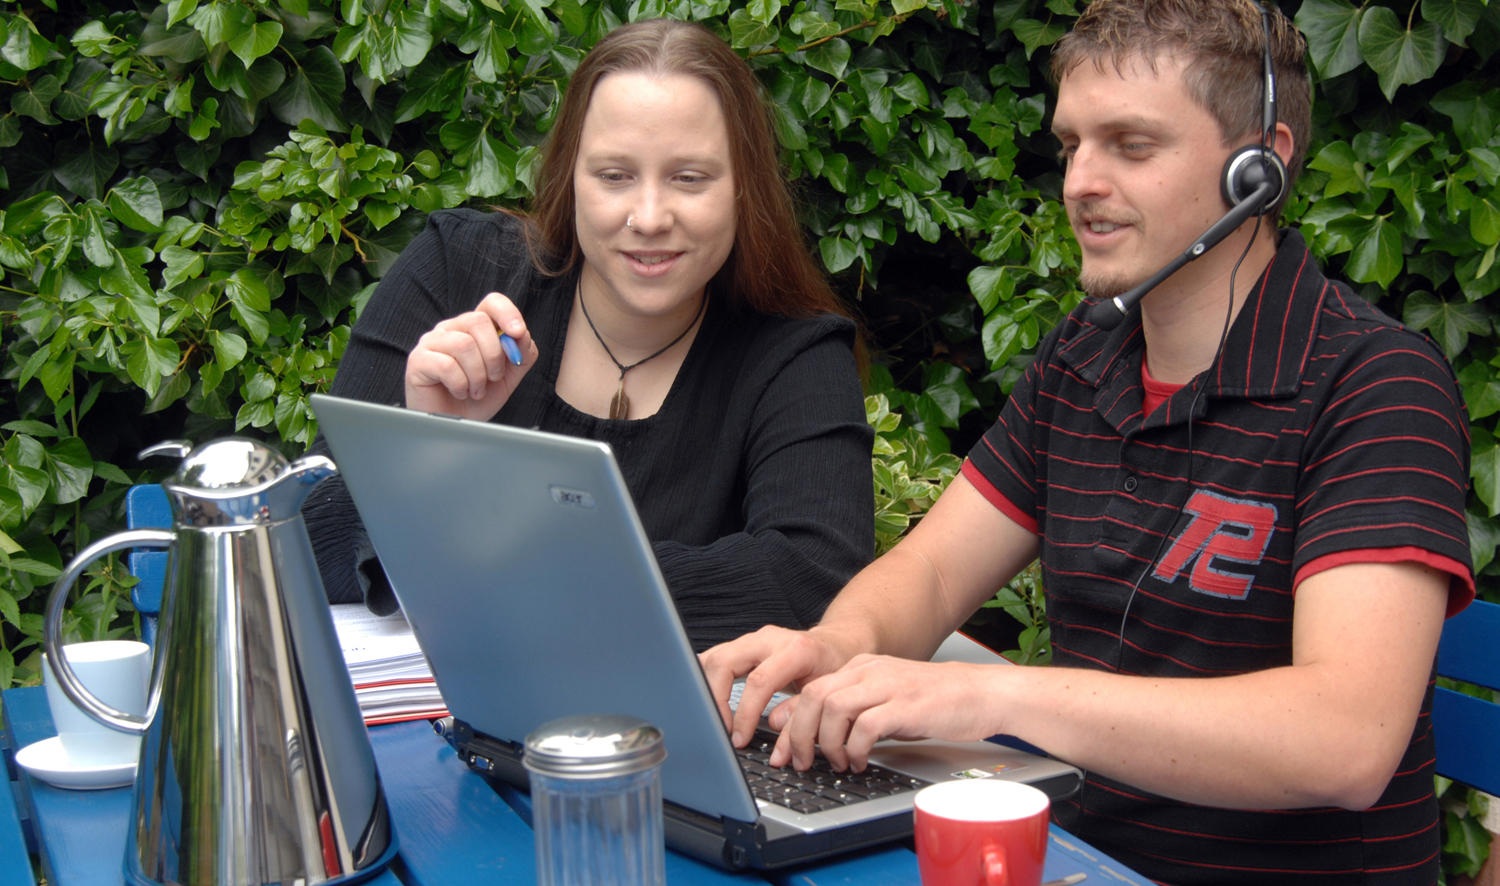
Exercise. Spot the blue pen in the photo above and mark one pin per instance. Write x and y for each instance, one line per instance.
(511, 349)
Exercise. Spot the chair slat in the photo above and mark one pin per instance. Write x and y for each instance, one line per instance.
(1470, 648)
(1465, 729)
(147, 507)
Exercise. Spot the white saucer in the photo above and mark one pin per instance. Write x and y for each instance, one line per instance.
(47, 761)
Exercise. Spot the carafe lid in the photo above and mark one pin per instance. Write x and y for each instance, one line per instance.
(235, 481)
(594, 746)
(228, 463)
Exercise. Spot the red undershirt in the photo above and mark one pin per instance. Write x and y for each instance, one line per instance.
(1155, 393)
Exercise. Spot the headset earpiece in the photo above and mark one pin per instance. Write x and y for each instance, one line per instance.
(1246, 170)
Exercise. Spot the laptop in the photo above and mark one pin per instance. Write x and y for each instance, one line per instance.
(531, 586)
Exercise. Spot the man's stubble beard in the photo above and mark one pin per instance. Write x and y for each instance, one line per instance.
(1104, 285)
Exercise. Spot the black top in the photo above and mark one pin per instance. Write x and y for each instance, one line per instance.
(1327, 433)
(752, 480)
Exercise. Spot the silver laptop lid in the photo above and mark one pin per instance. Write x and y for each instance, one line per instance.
(530, 584)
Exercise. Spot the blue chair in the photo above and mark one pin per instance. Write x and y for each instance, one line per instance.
(146, 507)
(1468, 728)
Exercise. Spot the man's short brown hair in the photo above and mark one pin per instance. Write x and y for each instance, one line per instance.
(1224, 43)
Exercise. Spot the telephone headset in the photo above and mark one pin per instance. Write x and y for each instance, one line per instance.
(1253, 182)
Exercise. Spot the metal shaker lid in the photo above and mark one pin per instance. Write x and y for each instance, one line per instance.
(594, 746)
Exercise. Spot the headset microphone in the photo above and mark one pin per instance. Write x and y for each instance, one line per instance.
(1108, 313)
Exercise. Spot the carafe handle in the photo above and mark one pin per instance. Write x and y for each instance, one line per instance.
(52, 633)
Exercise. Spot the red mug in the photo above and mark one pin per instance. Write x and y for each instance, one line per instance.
(981, 832)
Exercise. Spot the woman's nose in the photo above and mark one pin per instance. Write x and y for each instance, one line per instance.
(652, 213)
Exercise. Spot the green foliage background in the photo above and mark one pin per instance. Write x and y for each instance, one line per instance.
(199, 196)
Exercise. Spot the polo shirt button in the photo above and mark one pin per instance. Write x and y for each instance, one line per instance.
(1130, 484)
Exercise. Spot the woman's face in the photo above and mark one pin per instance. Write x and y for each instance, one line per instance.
(654, 151)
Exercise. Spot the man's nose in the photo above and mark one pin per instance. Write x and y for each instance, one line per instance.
(1084, 178)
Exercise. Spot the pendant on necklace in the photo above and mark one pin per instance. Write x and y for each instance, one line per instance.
(619, 404)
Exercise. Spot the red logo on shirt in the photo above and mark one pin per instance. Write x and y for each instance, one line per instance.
(1223, 533)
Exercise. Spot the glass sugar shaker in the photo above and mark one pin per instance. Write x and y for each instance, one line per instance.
(596, 801)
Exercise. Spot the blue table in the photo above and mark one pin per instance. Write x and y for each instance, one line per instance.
(453, 827)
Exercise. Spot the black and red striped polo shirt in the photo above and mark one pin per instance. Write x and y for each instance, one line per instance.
(1326, 434)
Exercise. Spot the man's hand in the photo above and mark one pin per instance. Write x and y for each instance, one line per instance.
(459, 368)
(876, 697)
(768, 659)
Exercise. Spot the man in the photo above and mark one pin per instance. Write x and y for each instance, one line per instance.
(1245, 605)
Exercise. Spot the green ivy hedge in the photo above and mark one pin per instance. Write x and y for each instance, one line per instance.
(197, 198)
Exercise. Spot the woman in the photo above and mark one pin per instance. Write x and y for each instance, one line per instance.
(660, 298)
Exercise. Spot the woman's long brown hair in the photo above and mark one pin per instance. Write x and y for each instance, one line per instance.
(769, 269)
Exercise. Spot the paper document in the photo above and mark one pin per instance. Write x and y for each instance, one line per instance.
(392, 679)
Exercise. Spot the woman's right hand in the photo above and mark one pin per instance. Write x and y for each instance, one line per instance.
(459, 368)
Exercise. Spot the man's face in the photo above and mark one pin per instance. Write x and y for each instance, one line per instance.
(1142, 170)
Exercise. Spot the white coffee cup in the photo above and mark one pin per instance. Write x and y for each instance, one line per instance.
(117, 672)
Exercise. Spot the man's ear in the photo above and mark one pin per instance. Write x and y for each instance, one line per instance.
(1283, 143)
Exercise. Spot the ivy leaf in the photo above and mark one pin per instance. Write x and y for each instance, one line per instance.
(182, 264)
(1484, 536)
(492, 164)
(254, 42)
(815, 27)
(178, 10)
(764, 11)
(254, 323)
(137, 203)
(745, 31)
(84, 169)
(248, 291)
(313, 92)
(221, 22)
(413, 37)
(91, 39)
(57, 375)
(1376, 256)
(1474, 112)
(1034, 34)
(838, 253)
(229, 348)
(1450, 323)
(177, 387)
(24, 47)
(1398, 55)
(943, 386)
(1457, 17)
(1332, 31)
(1484, 223)
(126, 279)
(325, 260)
(536, 7)
(70, 467)
(990, 286)
(1487, 162)
(831, 57)
(836, 170)
(36, 100)
(1481, 389)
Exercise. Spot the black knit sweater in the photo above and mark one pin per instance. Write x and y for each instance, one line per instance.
(752, 480)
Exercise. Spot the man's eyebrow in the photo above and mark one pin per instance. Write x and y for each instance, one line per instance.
(1127, 123)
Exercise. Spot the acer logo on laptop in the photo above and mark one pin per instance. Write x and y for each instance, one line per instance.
(574, 497)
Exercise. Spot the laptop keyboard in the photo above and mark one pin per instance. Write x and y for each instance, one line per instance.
(819, 788)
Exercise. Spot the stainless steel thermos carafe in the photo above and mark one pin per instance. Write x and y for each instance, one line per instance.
(255, 765)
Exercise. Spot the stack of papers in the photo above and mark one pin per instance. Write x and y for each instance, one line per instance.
(392, 679)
